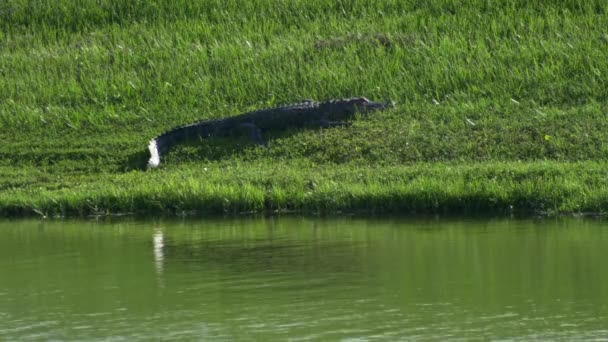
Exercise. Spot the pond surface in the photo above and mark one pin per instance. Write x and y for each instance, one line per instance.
(304, 279)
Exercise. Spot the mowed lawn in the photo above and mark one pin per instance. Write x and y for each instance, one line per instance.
(501, 106)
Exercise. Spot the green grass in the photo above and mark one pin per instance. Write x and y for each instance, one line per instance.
(501, 105)
(233, 188)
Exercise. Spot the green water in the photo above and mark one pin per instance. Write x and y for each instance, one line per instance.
(304, 279)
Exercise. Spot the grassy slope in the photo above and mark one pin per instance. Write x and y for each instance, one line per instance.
(501, 105)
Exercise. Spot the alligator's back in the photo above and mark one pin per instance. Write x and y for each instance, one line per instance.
(283, 117)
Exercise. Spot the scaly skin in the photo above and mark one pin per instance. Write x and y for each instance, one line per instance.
(308, 113)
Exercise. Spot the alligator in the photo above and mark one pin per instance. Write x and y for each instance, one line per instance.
(307, 113)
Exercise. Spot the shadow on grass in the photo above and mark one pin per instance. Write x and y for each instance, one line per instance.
(214, 149)
(201, 150)
(137, 161)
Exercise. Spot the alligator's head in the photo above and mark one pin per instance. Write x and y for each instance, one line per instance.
(342, 109)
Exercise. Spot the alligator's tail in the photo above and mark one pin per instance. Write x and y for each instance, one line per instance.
(162, 143)
(154, 160)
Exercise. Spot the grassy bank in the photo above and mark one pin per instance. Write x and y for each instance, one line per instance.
(501, 105)
(271, 187)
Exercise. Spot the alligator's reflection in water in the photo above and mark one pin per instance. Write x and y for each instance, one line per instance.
(158, 244)
(276, 257)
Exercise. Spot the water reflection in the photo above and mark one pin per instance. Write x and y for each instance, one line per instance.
(304, 279)
(158, 243)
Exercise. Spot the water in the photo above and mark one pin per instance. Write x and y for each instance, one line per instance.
(304, 279)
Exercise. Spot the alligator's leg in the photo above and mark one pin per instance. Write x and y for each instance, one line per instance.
(253, 132)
